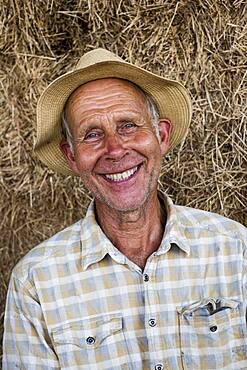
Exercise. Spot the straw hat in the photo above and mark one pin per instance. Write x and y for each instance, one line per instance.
(170, 96)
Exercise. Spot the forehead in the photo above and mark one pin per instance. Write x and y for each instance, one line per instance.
(108, 89)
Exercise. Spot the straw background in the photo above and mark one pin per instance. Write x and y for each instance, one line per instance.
(200, 43)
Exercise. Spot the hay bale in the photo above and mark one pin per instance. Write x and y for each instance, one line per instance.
(200, 43)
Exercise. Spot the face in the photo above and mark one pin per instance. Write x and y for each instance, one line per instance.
(116, 151)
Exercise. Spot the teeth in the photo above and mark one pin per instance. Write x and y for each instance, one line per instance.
(121, 176)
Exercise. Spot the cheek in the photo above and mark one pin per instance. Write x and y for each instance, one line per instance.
(148, 143)
(85, 159)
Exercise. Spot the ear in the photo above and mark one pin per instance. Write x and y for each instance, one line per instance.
(65, 148)
(164, 131)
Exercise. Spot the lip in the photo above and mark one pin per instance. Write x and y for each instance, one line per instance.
(124, 181)
(120, 169)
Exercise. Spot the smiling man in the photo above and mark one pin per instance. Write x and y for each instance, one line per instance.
(139, 283)
(117, 153)
(116, 149)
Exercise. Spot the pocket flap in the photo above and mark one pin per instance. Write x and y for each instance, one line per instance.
(208, 306)
(88, 333)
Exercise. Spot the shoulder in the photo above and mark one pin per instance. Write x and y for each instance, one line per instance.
(64, 243)
(212, 222)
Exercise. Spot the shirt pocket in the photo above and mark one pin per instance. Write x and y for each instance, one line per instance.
(91, 343)
(212, 334)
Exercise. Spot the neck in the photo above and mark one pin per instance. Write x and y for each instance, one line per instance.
(138, 233)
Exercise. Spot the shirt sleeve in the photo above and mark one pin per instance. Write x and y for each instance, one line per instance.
(26, 342)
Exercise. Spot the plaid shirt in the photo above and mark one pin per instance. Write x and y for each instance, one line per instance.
(76, 302)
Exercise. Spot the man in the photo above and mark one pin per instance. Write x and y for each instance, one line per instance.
(139, 283)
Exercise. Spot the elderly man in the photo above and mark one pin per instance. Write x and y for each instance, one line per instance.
(139, 283)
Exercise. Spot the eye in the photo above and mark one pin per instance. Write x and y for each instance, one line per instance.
(92, 136)
(128, 127)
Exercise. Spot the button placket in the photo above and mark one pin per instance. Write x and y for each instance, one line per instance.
(151, 315)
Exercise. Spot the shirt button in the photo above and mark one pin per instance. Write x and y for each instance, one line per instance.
(213, 328)
(145, 277)
(159, 367)
(90, 340)
(152, 322)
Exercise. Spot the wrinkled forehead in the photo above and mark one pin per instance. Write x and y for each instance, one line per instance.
(104, 86)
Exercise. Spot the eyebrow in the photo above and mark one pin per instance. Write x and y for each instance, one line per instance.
(95, 122)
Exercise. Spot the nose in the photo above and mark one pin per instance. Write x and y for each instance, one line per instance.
(114, 146)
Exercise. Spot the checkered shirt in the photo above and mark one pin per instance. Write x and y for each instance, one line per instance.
(76, 302)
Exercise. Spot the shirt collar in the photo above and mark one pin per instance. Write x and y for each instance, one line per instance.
(96, 245)
(175, 231)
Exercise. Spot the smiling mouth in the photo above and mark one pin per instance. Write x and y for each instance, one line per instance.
(122, 176)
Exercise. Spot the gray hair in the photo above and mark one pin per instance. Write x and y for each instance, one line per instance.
(66, 130)
(152, 108)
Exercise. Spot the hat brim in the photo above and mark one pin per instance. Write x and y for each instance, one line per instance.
(170, 96)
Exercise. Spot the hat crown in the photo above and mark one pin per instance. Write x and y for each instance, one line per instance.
(96, 56)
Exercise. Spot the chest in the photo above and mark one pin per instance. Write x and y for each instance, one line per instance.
(104, 314)
(167, 282)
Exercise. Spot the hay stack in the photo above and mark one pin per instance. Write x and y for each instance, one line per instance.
(200, 43)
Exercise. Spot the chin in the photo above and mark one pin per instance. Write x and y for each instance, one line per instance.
(123, 205)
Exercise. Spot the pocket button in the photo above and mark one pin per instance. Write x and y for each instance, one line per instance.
(90, 340)
(159, 367)
(152, 322)
(213, 328)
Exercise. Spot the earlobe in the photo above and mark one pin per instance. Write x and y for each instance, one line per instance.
(65, 148)
(164, 130)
